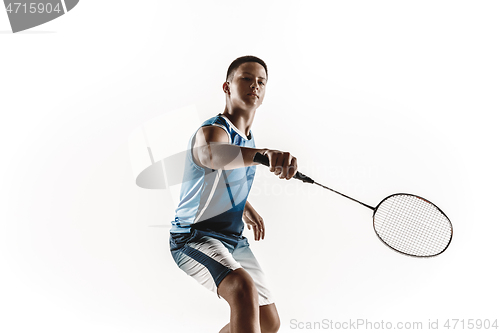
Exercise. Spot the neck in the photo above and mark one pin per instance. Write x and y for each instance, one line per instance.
(242, 119)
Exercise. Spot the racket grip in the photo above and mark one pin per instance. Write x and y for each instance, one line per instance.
(263, 159)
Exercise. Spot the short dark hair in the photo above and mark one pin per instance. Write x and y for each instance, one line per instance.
(241, 60)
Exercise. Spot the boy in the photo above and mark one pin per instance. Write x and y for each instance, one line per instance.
(206, 238)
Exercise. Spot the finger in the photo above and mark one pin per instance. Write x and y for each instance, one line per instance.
(261, 227)
(292, 169)
(272, 161)
(287, 159)
(252, 227)
(255, 232)
(278, 170)
(278, 167)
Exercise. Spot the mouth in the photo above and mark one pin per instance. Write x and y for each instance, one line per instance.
(252, 94)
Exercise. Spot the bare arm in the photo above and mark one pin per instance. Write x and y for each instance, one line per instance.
(213, 150)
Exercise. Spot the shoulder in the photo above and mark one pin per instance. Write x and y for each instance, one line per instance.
(215, 129)
(211, 133)
(217, 121)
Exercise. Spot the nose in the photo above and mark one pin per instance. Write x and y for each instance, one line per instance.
(254, 85)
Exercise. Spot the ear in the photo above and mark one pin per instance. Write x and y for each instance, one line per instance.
(225, 87)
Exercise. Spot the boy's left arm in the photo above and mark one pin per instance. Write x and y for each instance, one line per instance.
(254, 220)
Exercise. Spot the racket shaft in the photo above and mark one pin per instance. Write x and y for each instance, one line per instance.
(263, 159)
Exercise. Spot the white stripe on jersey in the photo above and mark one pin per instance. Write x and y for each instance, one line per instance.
(212, 191)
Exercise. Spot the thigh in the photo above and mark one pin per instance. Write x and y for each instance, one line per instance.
(205, 259)
(245, 257)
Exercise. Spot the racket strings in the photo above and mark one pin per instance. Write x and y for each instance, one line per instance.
(412, 225)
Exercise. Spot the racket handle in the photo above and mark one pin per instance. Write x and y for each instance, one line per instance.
(263, 159)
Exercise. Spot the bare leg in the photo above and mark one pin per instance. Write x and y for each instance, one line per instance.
(269, 320)
(239, 291)
(225, 329)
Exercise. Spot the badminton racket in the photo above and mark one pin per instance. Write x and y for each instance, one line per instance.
(406, 223)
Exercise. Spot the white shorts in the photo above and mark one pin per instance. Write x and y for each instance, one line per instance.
(208, 257)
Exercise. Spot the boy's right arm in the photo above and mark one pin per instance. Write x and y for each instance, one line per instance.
(212, 149)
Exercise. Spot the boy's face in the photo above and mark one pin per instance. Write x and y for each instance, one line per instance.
(248, 86)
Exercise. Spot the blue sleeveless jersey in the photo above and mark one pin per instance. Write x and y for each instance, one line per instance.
(214, 200)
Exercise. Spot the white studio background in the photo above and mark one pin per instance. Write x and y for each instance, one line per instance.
(373, 97)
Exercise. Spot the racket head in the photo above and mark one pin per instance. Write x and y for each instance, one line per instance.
(412, 225)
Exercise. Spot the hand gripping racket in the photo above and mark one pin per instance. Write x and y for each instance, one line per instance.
(406, 223)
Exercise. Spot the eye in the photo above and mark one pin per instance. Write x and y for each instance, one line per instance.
(246, 78)
(262, 83)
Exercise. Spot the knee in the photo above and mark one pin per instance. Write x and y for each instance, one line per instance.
(271, 326)
(244, 289)
(239, 287)
(269, 319)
